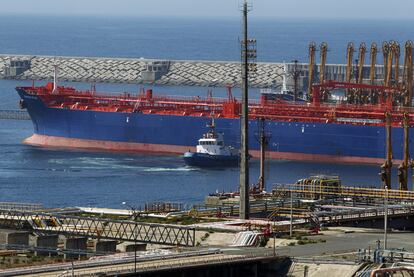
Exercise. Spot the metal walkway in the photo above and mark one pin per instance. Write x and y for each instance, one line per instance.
(317, 191)
(365, 214)
(99, 228)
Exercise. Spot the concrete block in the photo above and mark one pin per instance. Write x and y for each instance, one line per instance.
(135, 247)
(105, 246)
(14, 237)
(46, 241)
(75, 244)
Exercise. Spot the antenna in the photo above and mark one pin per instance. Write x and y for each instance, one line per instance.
(284, 77)
(55, 76)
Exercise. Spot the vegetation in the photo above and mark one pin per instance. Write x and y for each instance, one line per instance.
(305, 240)
(206, 235)
(263, 241)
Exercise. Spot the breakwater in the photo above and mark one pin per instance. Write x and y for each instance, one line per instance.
(158, 72)
(14, 114)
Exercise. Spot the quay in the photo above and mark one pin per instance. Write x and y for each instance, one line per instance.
(217, 243)
(160, 72)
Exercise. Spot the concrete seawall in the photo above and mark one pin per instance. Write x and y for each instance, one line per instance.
(161, 72)
(14, 114)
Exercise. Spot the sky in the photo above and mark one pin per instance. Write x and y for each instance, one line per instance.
(320, 9)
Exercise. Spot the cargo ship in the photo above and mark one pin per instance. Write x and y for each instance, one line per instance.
(145, 122)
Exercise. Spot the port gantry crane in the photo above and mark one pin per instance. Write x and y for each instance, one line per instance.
(361, 62)
(358, 97)
(312, 64)
(372, 73)
(387, 106)
(393, 98)
(312, 50)
(348, 74)
(407, 82)
(324, 53)
(407, 91)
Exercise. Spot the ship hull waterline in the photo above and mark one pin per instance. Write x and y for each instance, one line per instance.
(127, 147)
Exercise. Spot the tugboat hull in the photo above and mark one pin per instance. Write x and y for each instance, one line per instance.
(207, 160)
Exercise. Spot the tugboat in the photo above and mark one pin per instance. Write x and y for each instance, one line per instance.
(212, 152)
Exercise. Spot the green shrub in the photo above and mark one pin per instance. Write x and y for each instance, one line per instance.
(206, 235)
(263, 241)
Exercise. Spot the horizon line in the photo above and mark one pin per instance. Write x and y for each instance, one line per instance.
(221, 17)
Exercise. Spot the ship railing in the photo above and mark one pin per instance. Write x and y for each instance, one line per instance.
(130, 99)
(252, 102)
(324, 106)
(125, 96)
(286, 111)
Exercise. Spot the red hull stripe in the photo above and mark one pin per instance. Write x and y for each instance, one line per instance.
(131, 147)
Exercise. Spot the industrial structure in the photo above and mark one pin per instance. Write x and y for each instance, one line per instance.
(248, 56)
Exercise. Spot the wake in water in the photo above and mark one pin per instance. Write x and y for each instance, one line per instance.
(163, 169)
(138, 164)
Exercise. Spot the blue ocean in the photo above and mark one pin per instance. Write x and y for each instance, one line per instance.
(58, 178)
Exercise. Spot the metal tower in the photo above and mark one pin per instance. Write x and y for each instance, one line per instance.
(248, 57)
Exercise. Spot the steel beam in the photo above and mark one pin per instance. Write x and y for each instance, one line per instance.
(99, 228)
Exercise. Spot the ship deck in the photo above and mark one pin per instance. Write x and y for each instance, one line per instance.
(147, 103)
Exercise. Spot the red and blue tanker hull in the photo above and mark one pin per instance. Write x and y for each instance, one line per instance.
(149, 130)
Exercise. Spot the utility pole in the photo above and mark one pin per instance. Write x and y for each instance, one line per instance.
(403, 168)
(263, 140)
(389, 151)
(385, 218)
(249, 54)
(291, 215)
(387, 166)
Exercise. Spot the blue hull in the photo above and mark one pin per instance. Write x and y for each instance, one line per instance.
(296, 140)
